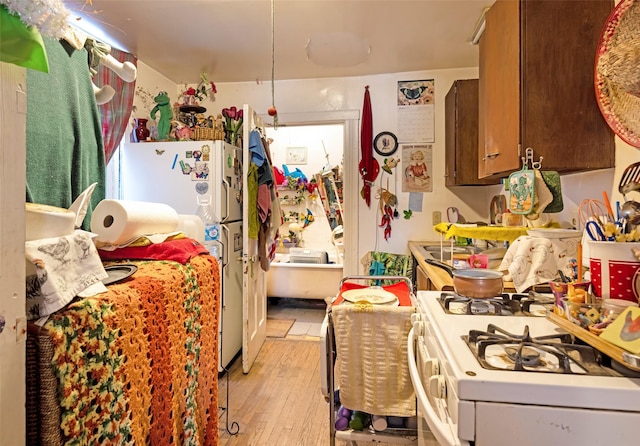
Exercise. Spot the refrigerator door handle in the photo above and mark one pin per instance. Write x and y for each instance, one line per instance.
(225, 253)
(225, 184)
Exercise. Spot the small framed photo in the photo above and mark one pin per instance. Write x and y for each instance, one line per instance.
(296, 155)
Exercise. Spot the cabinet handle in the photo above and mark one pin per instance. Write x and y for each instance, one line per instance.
(492, 155)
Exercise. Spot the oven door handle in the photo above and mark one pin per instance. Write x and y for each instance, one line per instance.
(442, 431)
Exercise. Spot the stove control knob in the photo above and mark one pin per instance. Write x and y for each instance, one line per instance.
(432, 366)
(437, 387)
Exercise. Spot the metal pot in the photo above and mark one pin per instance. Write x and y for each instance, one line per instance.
(474, 283)
(478, 283)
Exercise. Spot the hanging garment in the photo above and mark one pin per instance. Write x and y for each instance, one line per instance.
(368, 167)
(65, 152)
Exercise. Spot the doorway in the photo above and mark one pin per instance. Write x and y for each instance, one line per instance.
(347, 124)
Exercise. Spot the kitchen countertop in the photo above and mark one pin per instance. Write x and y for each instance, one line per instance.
(439, 277)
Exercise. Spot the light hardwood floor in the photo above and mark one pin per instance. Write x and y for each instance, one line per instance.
(279, 401)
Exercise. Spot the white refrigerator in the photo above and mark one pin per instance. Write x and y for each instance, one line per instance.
(175, 173)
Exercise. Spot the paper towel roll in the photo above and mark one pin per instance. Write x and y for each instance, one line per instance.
(118, 221)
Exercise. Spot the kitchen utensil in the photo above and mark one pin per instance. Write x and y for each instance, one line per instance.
(562, 276)
(522, 191)
(630, 212)
(478, 283)
(607, 203)
(373, 295)
(630, 179)
(453, 215)
(117, 273)
(590, 209)
(473, 283)
(497, 208)
(596, 233)
(552, 180)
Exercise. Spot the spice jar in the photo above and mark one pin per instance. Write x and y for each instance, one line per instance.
(611, 308)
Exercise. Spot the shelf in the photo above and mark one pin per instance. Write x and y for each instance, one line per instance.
(394, 436)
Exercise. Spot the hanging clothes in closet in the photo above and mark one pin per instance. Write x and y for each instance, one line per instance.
(265, 217)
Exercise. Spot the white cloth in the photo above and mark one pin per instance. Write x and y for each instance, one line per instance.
(536, 260)
(373, 371)
(64, 268)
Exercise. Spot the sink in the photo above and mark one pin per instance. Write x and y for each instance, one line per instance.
(435, 252)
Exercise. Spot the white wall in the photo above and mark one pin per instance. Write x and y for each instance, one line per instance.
(318, 95)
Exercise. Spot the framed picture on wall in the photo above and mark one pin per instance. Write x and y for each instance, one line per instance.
(296, 155)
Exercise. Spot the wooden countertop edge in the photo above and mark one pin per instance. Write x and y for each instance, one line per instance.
(594, 341)
(439, 277)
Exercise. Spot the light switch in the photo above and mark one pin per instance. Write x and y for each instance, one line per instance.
(436, 217)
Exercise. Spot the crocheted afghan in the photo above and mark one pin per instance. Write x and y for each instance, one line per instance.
(139, 364)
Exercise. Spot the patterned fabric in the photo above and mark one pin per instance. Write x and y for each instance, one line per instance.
(115, 113)
(536, 260)
(138, 365)
(386, 264)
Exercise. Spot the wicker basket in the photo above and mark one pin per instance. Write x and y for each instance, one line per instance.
(206, 134)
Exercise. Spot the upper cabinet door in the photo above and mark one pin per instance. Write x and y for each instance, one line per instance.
(500, 88)
(537, 58)
(461, 135)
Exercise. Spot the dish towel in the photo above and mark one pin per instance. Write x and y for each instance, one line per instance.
(63, 267)
(536, 260)
(371, 346)
(501, 233)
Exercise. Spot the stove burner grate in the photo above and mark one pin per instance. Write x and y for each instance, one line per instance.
(502, 305)
(498, 349)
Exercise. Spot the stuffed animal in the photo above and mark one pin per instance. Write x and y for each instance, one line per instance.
(295, 174)
(163, 105)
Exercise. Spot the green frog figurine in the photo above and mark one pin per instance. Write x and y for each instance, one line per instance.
(164, 107)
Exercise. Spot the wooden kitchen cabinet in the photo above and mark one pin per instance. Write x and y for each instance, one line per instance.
(536, 87)
(461, 135)
(423, 283)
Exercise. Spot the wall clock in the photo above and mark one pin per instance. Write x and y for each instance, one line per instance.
(385, 143)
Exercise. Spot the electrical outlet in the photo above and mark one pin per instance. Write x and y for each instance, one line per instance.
(436, 217)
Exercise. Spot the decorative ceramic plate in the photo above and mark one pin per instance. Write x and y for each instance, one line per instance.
(385, 143)
(372, 295)
(117, 273)
(554, 233)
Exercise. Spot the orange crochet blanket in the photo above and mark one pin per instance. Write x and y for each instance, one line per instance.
(139, 364)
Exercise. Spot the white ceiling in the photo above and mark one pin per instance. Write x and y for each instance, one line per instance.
(231, 40)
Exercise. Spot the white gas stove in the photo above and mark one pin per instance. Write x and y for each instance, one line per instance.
(474, 388)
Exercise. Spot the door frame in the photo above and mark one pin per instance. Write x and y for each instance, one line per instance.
(350, 119)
